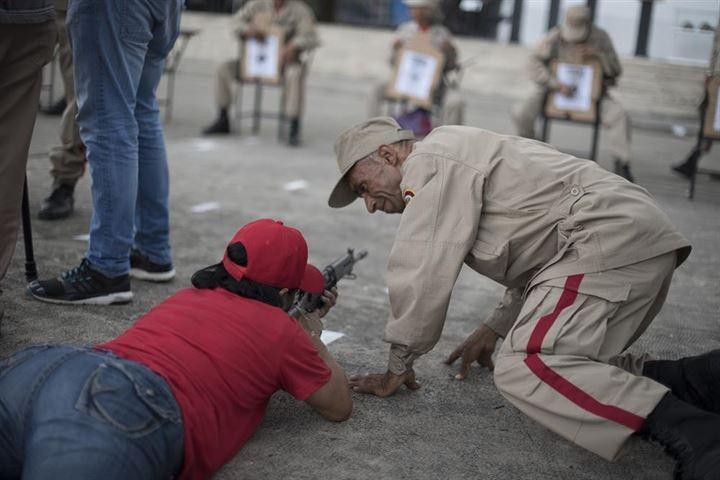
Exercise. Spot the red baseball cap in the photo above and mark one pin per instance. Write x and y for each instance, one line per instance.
(276, 256)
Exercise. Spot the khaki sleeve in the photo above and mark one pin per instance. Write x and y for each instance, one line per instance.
(539, 62)
(503, 317)
(437, 230)
(306, 36)
(240, 21)
(608, 57)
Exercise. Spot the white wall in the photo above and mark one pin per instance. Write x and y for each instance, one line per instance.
(668, 40)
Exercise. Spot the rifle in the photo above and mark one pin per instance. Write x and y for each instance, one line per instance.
(340, 268)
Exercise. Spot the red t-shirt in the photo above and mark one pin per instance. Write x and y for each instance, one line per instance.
(223, 356)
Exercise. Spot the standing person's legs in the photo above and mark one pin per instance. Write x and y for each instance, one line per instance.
(616, 122)
(68, 158)
(152, 224)
(110, 40)
(69, 412)
(24, 49)
(555, 362)
(525, 114)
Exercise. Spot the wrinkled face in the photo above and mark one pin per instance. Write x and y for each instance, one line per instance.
(377, 182)
(422, 15)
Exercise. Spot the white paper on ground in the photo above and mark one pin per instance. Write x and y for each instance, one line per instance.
(205, 207)
(328, 336)
(83, 237)
(295, 185)
(203, 145)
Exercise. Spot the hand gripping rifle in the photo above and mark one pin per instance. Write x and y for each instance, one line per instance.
(340, 268)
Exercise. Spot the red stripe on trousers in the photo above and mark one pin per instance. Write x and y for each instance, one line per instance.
(561, 385)
(580, 398)
(566, 299)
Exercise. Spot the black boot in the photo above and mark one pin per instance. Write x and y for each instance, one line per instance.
(695, 380)
(690, 435)
(688, 168)
(221, 124)
(59, 204)
(56, 108)
(294, 135)
(623, 169)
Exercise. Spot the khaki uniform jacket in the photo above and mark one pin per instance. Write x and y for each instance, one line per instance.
(516, 211)
(296, 17)
(553, 47)
(439, 35)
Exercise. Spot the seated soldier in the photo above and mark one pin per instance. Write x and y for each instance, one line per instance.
(298, 21)
(576, 36)
(425, 19)
(180, 392)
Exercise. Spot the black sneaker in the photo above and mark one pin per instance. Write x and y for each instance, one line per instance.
(82, 285)
(143, 269)
(59, 204)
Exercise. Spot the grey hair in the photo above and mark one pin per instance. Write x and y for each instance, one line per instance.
(375, 157)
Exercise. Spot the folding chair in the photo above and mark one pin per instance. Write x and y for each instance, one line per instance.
(596, 124)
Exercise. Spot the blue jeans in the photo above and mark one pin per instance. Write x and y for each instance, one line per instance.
(72, 412)
(119, 49)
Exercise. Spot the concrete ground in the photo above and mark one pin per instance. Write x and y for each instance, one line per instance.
(448, 429)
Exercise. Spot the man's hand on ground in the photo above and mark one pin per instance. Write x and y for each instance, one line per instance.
(383, 384)
(479, 346)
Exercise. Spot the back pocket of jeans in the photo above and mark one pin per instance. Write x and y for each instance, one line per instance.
(110, 396)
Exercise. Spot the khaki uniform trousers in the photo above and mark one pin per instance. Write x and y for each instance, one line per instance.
(562, 364)
(452, 104)
(227, 74)
(615, 121)
(24, 49)
(68, 158)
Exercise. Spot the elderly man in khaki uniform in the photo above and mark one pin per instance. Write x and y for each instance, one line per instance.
(298, 22)
(578, 37)
(425, 16)
(586, 256)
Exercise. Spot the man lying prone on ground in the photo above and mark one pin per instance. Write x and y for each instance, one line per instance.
(181, 391)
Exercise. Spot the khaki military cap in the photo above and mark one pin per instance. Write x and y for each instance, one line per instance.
(356, 143)
(421, 3)
(577, 24)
